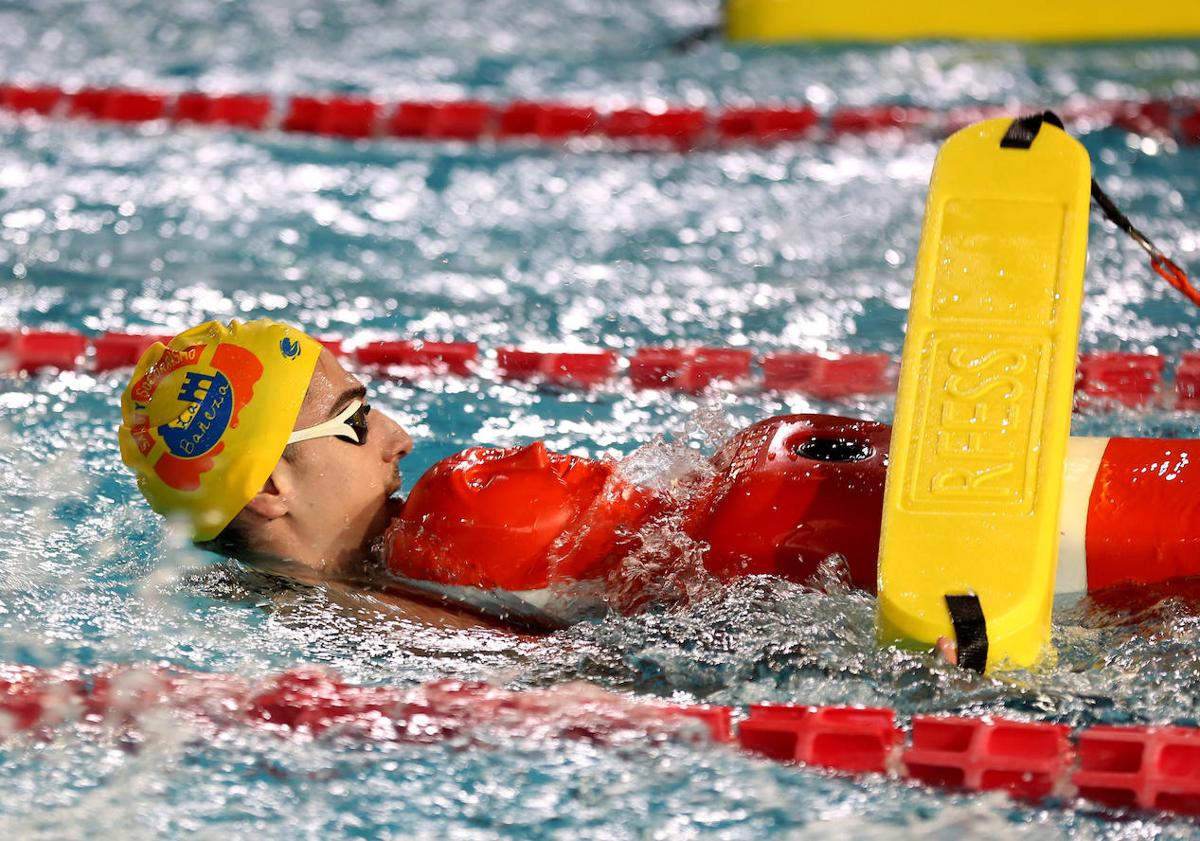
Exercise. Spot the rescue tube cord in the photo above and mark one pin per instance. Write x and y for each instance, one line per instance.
(1163, 265)
(1020, 135)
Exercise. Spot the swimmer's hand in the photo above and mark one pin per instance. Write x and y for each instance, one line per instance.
(947, 649)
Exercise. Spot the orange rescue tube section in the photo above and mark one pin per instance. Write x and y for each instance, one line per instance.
(780, 497)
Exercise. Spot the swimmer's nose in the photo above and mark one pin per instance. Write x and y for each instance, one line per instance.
(406, 442)
(399, 442)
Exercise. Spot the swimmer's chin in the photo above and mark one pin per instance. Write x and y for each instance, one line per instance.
(393, 486)
(395, 499)
(375, 546)
(395, 505)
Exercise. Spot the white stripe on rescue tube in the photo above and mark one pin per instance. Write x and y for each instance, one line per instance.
(1079, 475)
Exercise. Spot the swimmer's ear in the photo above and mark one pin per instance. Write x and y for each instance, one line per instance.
(271, 502)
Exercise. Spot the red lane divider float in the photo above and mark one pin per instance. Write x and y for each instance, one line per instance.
(1026, 759)
(681, 128)
(764, 125)
(688, 369)
(1129, 378)
(671, 127)
(1103, 380)
(442, 357)
(857, 740)
(33, 350)
(341, 117)
(1189, 126)
(566, 369)
(829, 378)
(1187, 381)
(245, 111)
(880, 118)
(1141, 767)
(441, 120)
(547, 121)
(122, 106)
(1130, 767)
(122, 350)
(38, 100)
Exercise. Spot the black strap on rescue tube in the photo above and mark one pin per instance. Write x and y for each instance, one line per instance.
(1024, 130)
(970, 630)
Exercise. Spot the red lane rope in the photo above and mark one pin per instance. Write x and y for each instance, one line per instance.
(1103, 378)
(1139, 766)
(676, 128)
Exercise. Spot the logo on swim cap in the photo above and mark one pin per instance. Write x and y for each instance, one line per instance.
(210, 397)
(290, 348)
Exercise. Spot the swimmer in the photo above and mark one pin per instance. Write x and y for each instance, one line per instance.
(263, 447)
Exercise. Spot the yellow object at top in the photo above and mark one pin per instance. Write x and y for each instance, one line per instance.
(786, 21)
(207, 416)
(983, 409)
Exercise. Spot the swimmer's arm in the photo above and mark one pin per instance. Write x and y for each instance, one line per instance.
(393, 605)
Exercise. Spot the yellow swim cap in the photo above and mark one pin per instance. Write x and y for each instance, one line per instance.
(206, 417)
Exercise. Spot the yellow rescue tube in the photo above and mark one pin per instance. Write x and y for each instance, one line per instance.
(784, 21)
(983, 409)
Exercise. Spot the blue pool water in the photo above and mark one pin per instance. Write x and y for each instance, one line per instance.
(803, 245)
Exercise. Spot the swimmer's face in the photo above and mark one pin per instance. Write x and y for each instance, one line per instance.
(340, 499)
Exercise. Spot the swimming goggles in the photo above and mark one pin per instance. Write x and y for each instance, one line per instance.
(350, 423)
